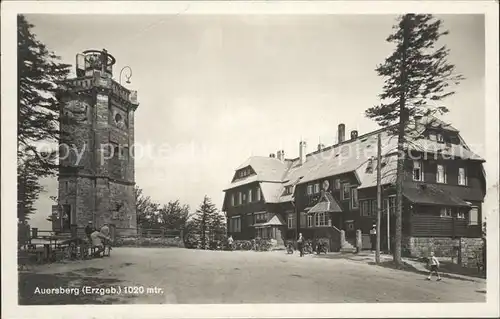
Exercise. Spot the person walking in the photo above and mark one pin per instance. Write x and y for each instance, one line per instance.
(300, 243)
(373, 237)
(434, 264)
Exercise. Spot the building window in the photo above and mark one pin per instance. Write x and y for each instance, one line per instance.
(309, 189)
(236, 224)
(473, 216)
(260, 218)
(316, 188)
(462, 176)
(346, 191)
(365, 208)
(232, 199)
(244, 197)
(460, 215)
(291, 220)
(320, 219)
(289, 190)
(350, 226)
(258, 194)
(374, 207)
(309, 220)
(337, 183)
(445, 212)
(390, 204)
(440, 138)
(418, 174)
(240, 201)
(354, 198)
(250, 197)
(441, 174)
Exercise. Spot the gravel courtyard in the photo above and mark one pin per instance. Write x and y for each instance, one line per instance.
(175, 275)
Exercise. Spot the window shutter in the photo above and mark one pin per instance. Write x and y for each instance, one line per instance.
(473, 216)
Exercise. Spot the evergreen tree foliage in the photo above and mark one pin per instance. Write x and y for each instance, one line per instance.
(28, 189)
(41, 80)
(207, 229)
(418, 78)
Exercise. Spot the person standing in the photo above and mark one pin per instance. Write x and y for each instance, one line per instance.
(373, 237)
(300, 243)
(230, 242)
(434, 264)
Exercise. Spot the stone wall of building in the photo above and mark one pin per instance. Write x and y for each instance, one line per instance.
(124, 219)
(422, 246)
(467, 251)
(471, 251)
(85, 201)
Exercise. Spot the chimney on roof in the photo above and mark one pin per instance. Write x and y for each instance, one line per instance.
(321, 147)
(281, 155)
(354, 134)
(302, 152)
(341, 133)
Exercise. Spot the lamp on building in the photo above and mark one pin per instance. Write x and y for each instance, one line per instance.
(128, 76)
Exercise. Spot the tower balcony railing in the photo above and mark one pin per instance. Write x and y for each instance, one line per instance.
(86, 83)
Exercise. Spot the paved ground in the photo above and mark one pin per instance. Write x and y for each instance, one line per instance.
(193, 276)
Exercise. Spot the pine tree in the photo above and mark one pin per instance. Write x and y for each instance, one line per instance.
(41, 79)
(417, 77)
(28, 189)
(205, 226)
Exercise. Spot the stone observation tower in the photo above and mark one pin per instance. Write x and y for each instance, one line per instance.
(96, 179)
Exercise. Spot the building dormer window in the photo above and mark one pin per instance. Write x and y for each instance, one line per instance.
(369, 166)
(440, 138)
(462, 177)
(346, 191)
(441, 174)
(288, 190)
(309, 189)
(418, 172)
(316, 188)
(445, 212)
(337, 183)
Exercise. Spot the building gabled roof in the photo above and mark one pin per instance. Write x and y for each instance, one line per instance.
(271, 191)
(276, 220)
(349, 156)
(326, 204)
(431, 195)
(268, 169)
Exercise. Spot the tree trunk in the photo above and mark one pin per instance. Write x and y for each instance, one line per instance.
(401, 148)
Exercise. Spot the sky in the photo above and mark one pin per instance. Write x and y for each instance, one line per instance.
(216, 89)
